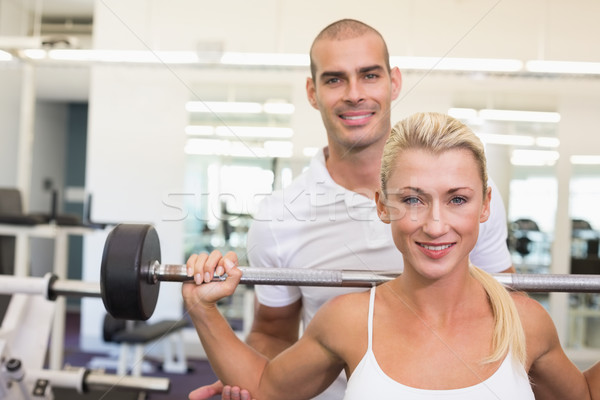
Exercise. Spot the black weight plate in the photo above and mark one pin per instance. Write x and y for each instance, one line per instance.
(128, 251)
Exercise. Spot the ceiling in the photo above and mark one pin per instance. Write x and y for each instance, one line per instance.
(71, 83)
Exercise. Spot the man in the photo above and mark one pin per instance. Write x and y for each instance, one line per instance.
(327, 218)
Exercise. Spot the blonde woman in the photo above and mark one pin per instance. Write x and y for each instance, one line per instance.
(444, 329)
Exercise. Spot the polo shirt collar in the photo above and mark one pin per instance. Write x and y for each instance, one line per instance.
(324, 191)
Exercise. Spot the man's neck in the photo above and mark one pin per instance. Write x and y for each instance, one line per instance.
(356, 170)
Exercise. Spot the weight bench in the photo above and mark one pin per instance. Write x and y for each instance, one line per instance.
(134, 336)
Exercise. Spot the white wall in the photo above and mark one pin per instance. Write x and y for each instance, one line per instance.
(135, 161)
(10, 81)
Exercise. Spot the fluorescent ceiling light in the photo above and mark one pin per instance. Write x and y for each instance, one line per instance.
(303, 60)
(563, 67)
(458, 64)
(35, 54)
(125, 56)
(216, 107)
(5, 56)
(299, 60)
(522, 116)
(240, 131)
(178, 57)
(273, 59)
(278, 108)
(463, 113)
(238, 149)
(510, 140)
(534, 157)
(504, 115)
(519, 140)
(254, 131)
(585, 160)
(239, 107)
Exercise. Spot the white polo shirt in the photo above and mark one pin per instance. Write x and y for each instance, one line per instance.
(315, 223)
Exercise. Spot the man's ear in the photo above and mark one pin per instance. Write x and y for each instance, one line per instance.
(382, 210)
(311, 93)
(396, 77)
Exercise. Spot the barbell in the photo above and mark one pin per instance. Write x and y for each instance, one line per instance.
(131, 273)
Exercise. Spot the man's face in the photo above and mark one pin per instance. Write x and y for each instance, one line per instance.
(353, 90)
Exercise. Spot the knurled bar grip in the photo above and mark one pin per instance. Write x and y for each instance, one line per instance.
(281, 276)
(569, 283)
(350, 278)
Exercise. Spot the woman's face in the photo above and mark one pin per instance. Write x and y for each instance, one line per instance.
(434, 203)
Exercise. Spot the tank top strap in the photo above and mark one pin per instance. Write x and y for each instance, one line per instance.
(370, 320)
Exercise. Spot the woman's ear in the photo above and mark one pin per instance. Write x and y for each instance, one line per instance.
(485, 209)
(382, 210)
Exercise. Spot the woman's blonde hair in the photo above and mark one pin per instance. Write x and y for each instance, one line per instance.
(438, 133)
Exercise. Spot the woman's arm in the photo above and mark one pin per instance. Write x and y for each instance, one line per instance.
(592, 376)
(553, 375)
(303, 370)
(228, 356)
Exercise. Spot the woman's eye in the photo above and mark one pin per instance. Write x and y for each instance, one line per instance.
(458, 200)
(411, 201)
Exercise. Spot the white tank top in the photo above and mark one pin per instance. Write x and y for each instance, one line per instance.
(368, 381)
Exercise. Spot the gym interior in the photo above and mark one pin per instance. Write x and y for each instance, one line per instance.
(121, 112)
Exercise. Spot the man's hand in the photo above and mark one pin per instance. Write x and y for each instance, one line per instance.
(206, 392)
(235, 393)
(227, 392)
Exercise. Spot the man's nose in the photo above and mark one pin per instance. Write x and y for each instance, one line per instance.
(354, 92)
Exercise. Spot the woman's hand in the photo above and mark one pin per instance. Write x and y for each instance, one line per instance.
(202, 291)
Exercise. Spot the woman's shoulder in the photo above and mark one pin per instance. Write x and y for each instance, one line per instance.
(345, 310)
(527, 306)
(348, 303)
(340, 325)
(540, 332)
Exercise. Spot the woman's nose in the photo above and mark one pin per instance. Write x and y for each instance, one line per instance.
(435, 224)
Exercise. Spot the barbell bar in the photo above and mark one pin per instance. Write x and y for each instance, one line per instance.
(131, 272)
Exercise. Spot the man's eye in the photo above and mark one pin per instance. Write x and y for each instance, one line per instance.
(371, 76)
(411, 201)
(332, 81)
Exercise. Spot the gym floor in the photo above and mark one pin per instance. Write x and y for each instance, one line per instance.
(199, 373)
